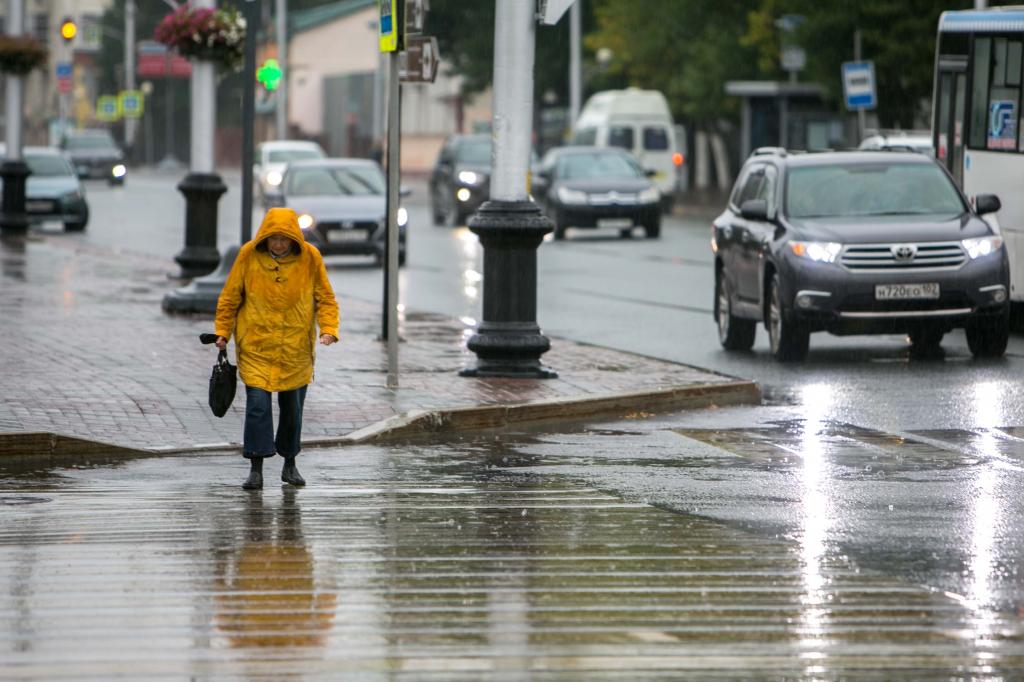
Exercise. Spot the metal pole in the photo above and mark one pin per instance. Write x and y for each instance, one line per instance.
(252, 9)
(980, 4)
(204, 108)
(281, 115)
(575, 69)
(514, 39)
(15, 84)
(861, 113)
(130, 124)
(14, 170)
(391, 300)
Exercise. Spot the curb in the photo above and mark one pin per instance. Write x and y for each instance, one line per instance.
(419, 424)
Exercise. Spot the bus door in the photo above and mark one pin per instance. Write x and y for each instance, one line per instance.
(949, 121)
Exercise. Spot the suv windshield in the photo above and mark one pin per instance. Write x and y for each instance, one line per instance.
(286, 155)
(477, 152)
(80, 142)
(597, 165)
(335, 182)
(870, 190)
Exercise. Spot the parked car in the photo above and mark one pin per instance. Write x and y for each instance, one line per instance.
(857, 243)
(272, 157)
(640, 122)
(341, 205)
(461, 178)
(900, 141)
(53, 191)
(95, 154)
(592, 187)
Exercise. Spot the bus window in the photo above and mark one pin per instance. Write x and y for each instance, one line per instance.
(655, 138)
(621, 136)
(1003, 99)
(585, 137)
(979, 93)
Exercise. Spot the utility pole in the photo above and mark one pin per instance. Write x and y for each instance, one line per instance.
(281, 115)
(575, 64)
(508, 342)
(980, 4)
(130, 124)
(862, 116)
(14, 170)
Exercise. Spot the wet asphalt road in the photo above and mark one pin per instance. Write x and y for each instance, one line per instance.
(912, 468)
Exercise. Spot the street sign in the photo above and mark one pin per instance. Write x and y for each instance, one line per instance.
(107, 108)
(552, 10)
(419, 60)
(859, 85)
(64, 74)
(388, 25)
(416, 15)
(131, 103)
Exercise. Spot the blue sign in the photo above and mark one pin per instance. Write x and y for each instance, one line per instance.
(859, 85)
(64, 70)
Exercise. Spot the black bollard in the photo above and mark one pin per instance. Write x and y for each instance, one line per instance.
(202, 192)
(508, 342)
(13, 220)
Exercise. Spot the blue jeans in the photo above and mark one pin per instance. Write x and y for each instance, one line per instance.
(258, 435)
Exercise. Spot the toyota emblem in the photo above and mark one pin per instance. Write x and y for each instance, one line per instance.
(904, 253)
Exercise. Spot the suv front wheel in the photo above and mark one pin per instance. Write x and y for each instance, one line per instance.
(987, 337)
(789, 337)
(734, 333)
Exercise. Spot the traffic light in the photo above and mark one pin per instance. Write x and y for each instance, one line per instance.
(270, 74)
(68, 29)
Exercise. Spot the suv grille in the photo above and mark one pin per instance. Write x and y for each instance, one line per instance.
(906, 257)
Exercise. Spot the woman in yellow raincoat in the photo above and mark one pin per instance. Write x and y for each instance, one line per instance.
(275, 297)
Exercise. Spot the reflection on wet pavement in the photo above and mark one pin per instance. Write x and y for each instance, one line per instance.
(444, 563)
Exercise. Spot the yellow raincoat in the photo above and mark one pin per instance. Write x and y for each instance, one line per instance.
(273, 307)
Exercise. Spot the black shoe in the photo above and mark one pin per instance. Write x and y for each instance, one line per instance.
(290, 474)
(255, 480)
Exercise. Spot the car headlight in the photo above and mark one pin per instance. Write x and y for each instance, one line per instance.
(119, 171)
(463, 194)
(274, 178)
(71, 196)
(306, 221)
(820, 252)
(470, 178)
(403, 216)
(650, 195)
(982, 246)
(571, 196)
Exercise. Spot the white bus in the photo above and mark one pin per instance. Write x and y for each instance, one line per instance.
(976, 116)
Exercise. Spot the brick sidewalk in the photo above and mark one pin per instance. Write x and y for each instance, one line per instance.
(88, 352)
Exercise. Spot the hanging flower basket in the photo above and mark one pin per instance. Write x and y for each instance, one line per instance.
(216, 35)
(20, 54)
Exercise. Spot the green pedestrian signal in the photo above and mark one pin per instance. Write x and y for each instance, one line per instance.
(270, 74)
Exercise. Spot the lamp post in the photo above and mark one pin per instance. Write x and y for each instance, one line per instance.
(14, 170)
(508, 342)
(202, 186)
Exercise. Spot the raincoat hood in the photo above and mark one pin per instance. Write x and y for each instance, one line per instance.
(282, 221)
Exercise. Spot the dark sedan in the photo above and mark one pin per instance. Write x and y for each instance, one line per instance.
(95, 154)
(594, 187)
(857, 243)
(53, 191)
(460, 180)
(341, 205)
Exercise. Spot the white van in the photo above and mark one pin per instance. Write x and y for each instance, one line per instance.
(640, 122)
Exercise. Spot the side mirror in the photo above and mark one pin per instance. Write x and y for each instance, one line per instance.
(987, 203)
(404, 191)
(754, 209)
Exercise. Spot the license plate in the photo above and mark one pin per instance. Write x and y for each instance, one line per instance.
(39, 206)
(902, 292)
(614, 222)
(346, 235)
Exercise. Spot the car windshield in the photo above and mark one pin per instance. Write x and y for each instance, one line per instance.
(89, 142)
(335, 182)
(870, 190)
(477, 152)
(287, 155)
(597, 165)
(48, 165)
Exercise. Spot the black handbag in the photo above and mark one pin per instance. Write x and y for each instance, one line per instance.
(223, 381)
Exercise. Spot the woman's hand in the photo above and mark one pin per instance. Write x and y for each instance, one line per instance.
(328, 339)
(221, 343)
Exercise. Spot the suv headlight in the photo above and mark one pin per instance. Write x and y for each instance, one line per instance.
(119, 170)
(982, 246)
(470, 178)
(571, 196)
(820, 252)
(274, 178)
(403, 216)
(650, 195)
(306, 221)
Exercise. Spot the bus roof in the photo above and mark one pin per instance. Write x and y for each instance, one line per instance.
(995, 20)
